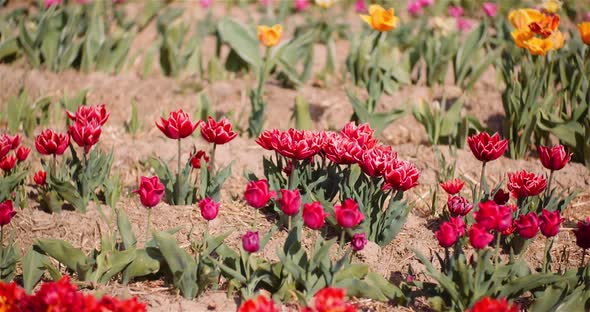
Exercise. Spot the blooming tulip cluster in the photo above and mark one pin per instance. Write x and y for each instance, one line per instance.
(8, 160)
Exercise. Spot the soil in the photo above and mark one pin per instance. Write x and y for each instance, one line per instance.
(157, 94)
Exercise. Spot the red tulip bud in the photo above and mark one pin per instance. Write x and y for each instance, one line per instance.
(348, 214)
(150, 191)
(447, 235)
(358, 242)
(22, 153)
(8, 163)
(549, 222)
(527, 225)
(196, 159)
(290, 202)
(178, 125)
(85, 134)
(251, 242)
(485, 147)
(257, 194)
(583, 234)
(217, 132)
(6, 212)
(209, 209)
(554, 158)
(314, 215)
(479, 237)
(40, 177)
(458, 205)
(487, 304)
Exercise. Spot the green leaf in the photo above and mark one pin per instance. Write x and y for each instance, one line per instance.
(124, 226)
(241, 40)
(146, 262)
(63, 252)
(181, 264)
(34, 264)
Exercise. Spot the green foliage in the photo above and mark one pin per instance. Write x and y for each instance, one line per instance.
(22, 113)
(133, 125)
(9, 256)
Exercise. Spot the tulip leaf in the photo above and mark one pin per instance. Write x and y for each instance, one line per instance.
(34, 264)
(241, 40)
(147, 261)
(181, 264)
(124, 226)
(63, 252)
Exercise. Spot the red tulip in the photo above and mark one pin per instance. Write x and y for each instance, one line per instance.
(332, 299)
(583, 234)
(6, 212)
(458, 205)
(85, 134)
(485, 147)
(554, 158)
(549, 222)
(402, 175)
(51, 143)
(342, 150)
(348, 214)
(361, 134)
(479, 237)
(295, 144)
(13, 141)
(8, 163)
(487, 304)
(376, 160)
(266, 139)
(358, 242)
(257, 194)
(217, 132)
(493, 217)
(259, 304)
(290, 202)
(453, 187)
(40, 177)
(501, 197)
(90, 113)
(150, 191)
(314, 215)
(178, 125)
(22, 153)
(196, 159)
(251, 242)
(447, 235)
(209, 208)
(523, 183)
(459, 225)
(5, 146)
(527, 225)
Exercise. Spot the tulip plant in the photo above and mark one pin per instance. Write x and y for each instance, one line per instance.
(14, 170)
(9, 254)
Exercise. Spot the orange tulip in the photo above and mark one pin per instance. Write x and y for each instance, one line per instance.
(520, 36)
(269, 36)
(380, 19)
(538, 46)
(522, 18)
(584, 29)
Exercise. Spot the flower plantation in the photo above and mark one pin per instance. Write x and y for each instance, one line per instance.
(294, 155)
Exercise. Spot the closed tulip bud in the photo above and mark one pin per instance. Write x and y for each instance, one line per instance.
(455, 11)
(527, 225)
(150, 191)
(584, 29)
(459, 225)
(314, 215)
(257, 193)
(554, 158)
(178, 125)
(22, 153)
(523, 184)
(501, 197)
(217, 132)
(269, 36)
(453, 187)
(549, 222)
(358, 242)
(479, 237)
(490, 9)
(51, 143)
(6, 212)
(458, 205)
(583, 234)
(290, 202)
(493, 217)
(8, 163)
(40, 177)
(447, 235)
(485, 147)
(209, 209)
(348, 214)
(196, 159)
(251, 242)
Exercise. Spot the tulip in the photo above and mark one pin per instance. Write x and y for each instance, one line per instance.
(549, 222)
(376, 160)
(314, 215)
(150, 191)
(8, 163)
(209, 208)
(360, 6)
(251, 242)
(205, 3)
(453, 187)
(402, 175)
(486, 148)
(5, 146)
(22, 153)
(196, 159)
(527, 225)
(447, 235)
(380, 19)
(85, 134)
(458, 205)
(493, 217)
(348, 214)
(50, 3)
(463, 24)
(459, 225)
(6, 212)
(362, 134)
(51, 143)
(257, 194)
(583, 234)
(479, 237)
(501, 197)
(13, 141)
(551, 6)
(343, 150)
(269, 36)
(487, 304)
(266, 139)
(554, 158)
(332, 299)
(178, 125)
(259, 304)
(523, 184)
(91, 113)
(217, 132)
(290, 202)
(358, 242)
(325, 4)
(490, 9)
(414, 8)
(301, 5)
(455, 11)
(40, 177)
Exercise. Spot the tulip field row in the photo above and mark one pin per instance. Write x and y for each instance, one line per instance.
(342, 155)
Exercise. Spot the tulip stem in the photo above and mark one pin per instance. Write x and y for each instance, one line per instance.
(213, 158)
(255, 217)
(177, 190)
(497, 252)
(548, 245)
(342, 237)
(548, 189)
(147, 229)
(1, 236)
(54, 165)
(291, 176)
(583, 257)
(289, 224)
(482, 178)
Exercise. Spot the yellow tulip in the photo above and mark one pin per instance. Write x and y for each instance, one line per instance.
(538, 46)
(520, 36)
(552, 6)
(522, 18)
(380, 19)
(325, 3)
(269, 36)
(584, 29)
